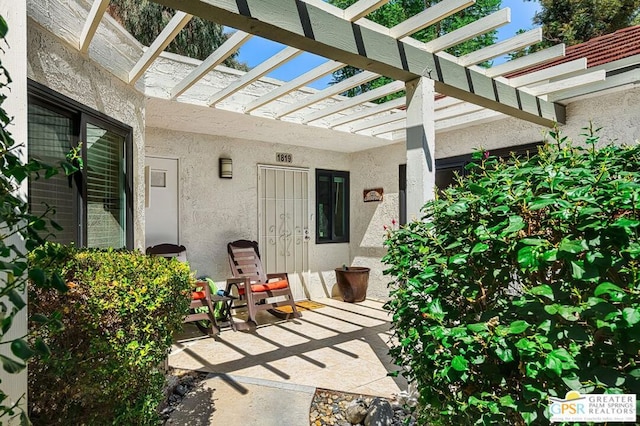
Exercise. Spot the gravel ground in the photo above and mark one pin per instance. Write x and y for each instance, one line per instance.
(328, 408)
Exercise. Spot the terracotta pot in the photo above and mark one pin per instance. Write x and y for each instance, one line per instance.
(353, 283)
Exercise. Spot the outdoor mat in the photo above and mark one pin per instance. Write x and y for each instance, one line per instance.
(303, 305)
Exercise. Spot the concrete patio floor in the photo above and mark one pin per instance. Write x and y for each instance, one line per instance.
(268, 376)
(341, 346)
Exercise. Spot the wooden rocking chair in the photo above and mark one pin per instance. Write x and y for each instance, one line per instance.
(200, 296)
(254, 286)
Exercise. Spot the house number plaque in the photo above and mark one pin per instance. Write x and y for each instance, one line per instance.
(283, 157)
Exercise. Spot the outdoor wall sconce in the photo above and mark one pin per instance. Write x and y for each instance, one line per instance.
(226, 168)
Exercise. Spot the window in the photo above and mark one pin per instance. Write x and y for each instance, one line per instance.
(93, 206)
(332, 206)
(446, 169)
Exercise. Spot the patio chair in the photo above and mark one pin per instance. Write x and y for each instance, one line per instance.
(255, 286)
(201, 310)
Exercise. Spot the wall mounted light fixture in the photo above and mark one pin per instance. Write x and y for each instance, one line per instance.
(226, 168)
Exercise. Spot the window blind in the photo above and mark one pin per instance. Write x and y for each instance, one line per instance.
(49, 139)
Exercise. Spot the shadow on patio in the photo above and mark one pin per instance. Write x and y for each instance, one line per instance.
(339, 346)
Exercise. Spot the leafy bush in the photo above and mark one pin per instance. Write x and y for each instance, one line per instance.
(522, 282)
(115, 326)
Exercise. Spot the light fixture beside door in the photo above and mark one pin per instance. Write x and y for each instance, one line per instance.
(225, 168)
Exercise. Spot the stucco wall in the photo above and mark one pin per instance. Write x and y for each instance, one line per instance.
(214, 211)
(374, 168)
(64, 70)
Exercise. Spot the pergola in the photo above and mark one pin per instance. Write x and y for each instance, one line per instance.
(442, 91)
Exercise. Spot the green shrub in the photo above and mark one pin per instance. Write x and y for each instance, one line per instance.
(522, 282)
(115, 326)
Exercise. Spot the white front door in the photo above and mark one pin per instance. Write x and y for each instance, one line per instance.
(283, 224)
(161, 211)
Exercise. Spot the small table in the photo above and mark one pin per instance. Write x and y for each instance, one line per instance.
(225, 319)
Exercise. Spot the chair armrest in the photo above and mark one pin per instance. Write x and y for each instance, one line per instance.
(204, 285)
(278, 275)
(236, 282)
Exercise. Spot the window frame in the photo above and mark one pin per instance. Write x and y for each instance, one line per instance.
(347, 207)
(81, 115)
(460, 162)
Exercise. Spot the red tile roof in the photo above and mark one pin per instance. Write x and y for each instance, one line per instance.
(600, 50)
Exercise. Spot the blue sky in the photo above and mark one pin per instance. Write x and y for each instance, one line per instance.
(257, 49)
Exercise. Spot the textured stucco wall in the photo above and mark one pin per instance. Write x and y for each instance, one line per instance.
(374, 168)
(64, 70)
(214, 211)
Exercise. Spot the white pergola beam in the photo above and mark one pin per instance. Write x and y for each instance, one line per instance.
(527, 61)
(510, 45)
(362, 8)
(472, 119)
(216, 58)
(330, 91)
(400, 124)
(613, 82)
(371, 95)
(91, 24)
(368, 124)
(369, 112)
(446, 102)
(428, 17)
(469, 31)
(317, 31)
(567, 83)
(177, 23)
(549, 73)
(264, 68)
(296, 83)
(456, 111)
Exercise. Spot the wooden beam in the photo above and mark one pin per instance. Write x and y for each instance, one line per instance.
(428, 17)
(216, 58)
(296, 83)
(362, 8)
(456, 111)
(91, 24)
(177, 23)
(469, 31)
(549, 73)
(536, 58)
(333, 90)
(400, 124)
(568, 83)
(369, 112)
(376, 93)
(472, 119)
(512, 44)
(379, 121)
(613, 82)
(310, 28)
(264, 68)
(446, 102)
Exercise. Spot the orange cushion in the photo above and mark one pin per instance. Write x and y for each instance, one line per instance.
(275, 285)
(198, 295)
